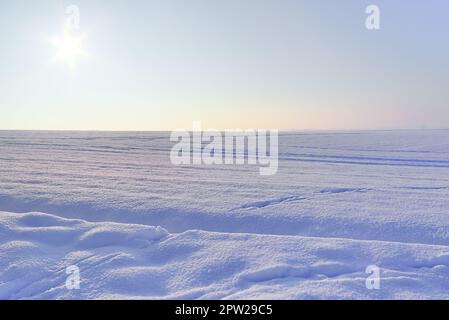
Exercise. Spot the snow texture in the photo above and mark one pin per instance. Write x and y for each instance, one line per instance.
(138, 227)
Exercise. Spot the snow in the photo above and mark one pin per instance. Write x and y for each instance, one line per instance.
(139, 227)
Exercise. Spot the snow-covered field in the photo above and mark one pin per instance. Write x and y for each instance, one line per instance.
(139, 227)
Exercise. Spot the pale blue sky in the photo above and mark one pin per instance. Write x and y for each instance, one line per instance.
(287, 64)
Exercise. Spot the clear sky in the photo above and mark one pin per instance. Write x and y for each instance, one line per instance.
(286, 64)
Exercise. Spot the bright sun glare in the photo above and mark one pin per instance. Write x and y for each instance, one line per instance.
(69, 48)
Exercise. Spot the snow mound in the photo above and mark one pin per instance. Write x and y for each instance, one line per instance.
(137, 261)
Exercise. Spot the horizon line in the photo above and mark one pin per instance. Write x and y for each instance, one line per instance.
(227, 130)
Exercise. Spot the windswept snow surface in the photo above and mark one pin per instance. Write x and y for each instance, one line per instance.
(139, 227)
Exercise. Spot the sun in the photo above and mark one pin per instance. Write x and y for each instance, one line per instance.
(69, 48)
